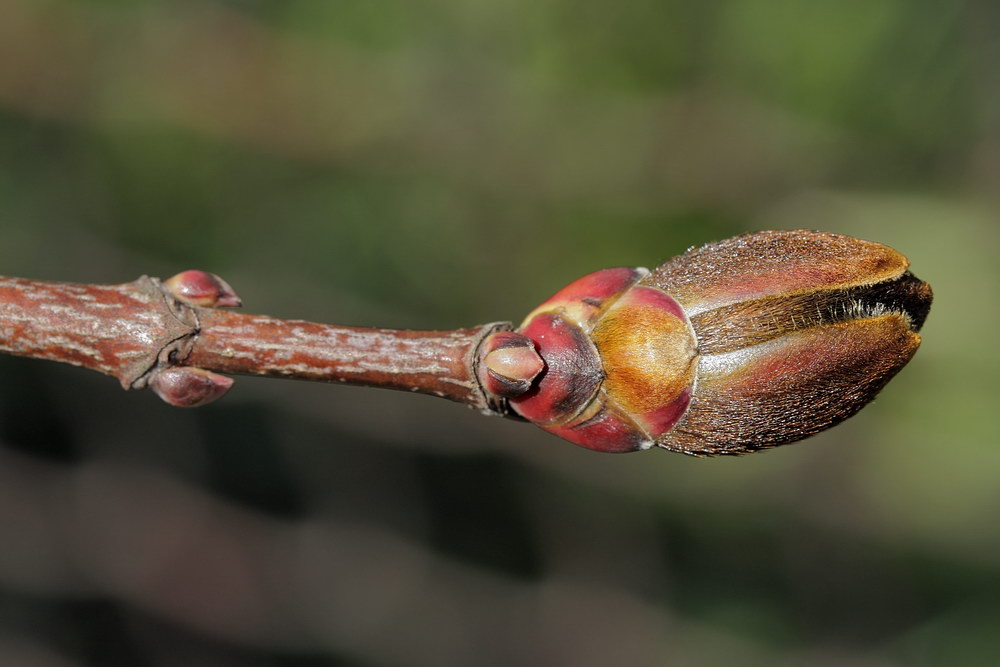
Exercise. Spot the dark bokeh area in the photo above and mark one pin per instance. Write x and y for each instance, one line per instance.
(445, 163)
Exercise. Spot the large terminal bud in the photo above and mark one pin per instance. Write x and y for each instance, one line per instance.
(737, 346)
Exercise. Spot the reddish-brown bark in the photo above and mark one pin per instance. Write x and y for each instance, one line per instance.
(135, 330)
(432, 362)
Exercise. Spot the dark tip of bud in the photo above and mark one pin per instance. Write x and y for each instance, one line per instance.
(189, 387)
(511, 364)
(200, 288)
(915, 298)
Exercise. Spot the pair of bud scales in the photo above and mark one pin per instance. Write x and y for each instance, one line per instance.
(733, 347)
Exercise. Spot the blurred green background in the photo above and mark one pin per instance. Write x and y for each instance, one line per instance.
(441, 163)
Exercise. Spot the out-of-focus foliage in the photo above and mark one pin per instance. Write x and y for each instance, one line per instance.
(447, 162)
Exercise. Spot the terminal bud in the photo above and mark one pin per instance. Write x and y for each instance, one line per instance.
(741, 345)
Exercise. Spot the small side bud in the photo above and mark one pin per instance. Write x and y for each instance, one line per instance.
(200, 288)
(185, 387)
(510, 364)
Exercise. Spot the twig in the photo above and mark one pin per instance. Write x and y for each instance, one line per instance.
(148, 332)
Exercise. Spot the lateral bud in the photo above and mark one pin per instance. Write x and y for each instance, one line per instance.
(201, 288)
(509, 364)
(185, 387)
